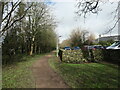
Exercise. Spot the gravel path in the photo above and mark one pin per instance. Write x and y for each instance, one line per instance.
(44, 76)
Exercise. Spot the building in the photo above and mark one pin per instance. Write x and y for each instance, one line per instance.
(106, 38)
(116, 37)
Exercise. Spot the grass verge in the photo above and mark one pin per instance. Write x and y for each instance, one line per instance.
(19, 74)
(89, 75)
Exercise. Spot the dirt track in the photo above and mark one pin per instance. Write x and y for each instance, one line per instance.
(44, 76)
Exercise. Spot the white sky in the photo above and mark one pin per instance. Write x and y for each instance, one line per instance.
(64, 11)
(97, 24)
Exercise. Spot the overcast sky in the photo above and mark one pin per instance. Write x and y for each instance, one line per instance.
(68, 20)
(64, 11)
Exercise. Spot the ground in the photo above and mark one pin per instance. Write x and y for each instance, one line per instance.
(46, 71)
(44, 76)
(87, 75)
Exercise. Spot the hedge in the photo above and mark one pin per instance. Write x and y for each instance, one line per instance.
(72, 56)
(112, 56)
(97, 55)
(81, 56)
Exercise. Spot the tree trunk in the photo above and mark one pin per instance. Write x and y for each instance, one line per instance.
(39, 50)
(35, 48)
(32, 46)
(31, 51)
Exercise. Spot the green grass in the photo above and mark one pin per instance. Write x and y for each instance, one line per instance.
(19, 74)
(89, 75)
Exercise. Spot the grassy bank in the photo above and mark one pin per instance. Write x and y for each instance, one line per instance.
(89, 75)
(19, 74)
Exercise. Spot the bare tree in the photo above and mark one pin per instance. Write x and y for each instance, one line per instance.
(87, 6)
(76, 37)
(65, 43)
(91, 37)
(39, 19)
(92, 6)
(7, 18)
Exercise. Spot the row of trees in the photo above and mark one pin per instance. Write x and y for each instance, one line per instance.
(28, 29)
(79, 37)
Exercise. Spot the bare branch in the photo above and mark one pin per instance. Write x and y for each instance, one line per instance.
(112, 27)
(87, 6)
(14, 6)
(7, 27)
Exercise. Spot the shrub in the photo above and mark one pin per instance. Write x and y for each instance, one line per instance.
(112, 56)
(73, 56)
(97, 55)
(81, 56)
